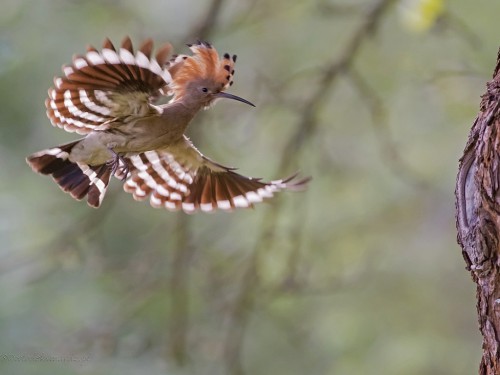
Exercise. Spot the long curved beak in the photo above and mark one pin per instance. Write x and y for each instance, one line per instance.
(234, 97)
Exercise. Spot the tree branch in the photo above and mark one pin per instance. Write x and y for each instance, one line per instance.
(478, 219)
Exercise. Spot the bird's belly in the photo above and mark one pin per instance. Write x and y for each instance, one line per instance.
(94, 149)
(128, 139)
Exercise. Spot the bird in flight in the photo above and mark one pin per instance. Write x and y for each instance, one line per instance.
(108, 96)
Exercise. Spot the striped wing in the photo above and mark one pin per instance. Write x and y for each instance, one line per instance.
(182, 178)
(102, 88)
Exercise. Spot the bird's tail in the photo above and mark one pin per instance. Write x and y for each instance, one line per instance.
(78, 179)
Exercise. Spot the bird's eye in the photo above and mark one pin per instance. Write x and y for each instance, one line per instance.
(204, 89)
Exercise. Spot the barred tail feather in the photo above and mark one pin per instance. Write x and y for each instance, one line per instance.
(77, 179)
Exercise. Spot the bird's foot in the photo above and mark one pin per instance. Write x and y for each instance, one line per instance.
(114, 163)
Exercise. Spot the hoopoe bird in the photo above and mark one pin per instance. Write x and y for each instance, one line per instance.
(109, 96)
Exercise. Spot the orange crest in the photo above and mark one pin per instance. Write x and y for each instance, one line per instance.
(204, 64)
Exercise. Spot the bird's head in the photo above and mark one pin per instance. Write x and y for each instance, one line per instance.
(203, 77)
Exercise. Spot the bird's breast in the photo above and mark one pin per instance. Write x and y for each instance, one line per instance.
(150, 134)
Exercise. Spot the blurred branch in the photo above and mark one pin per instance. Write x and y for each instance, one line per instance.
(244, 301)
(452, 22)
(441, 75)
(208, 23)
(291, 278)
(87, 225)
(312, 105)
(388, 149)
(328, 9)
(238, 318)
(306, 127)
(250, 15)
(179, 292)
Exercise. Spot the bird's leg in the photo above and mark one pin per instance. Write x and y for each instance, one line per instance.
(115, 163)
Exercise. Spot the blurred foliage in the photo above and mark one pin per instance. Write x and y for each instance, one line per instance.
(361, 274)
(421, 15)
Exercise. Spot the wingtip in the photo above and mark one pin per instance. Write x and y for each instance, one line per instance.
(296, 183)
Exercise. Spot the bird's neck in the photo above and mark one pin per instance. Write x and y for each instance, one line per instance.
(181, 111)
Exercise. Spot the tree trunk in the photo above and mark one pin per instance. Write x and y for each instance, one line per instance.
(478, 218)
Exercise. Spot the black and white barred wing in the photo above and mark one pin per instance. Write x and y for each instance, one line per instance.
(181, 178)
(104, 86)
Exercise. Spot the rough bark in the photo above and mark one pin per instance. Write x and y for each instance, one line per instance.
(478, 218)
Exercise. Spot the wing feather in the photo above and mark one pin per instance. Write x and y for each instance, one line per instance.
(180, 177)
(101, 87)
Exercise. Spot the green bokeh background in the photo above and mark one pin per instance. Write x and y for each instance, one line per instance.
(360, 274)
